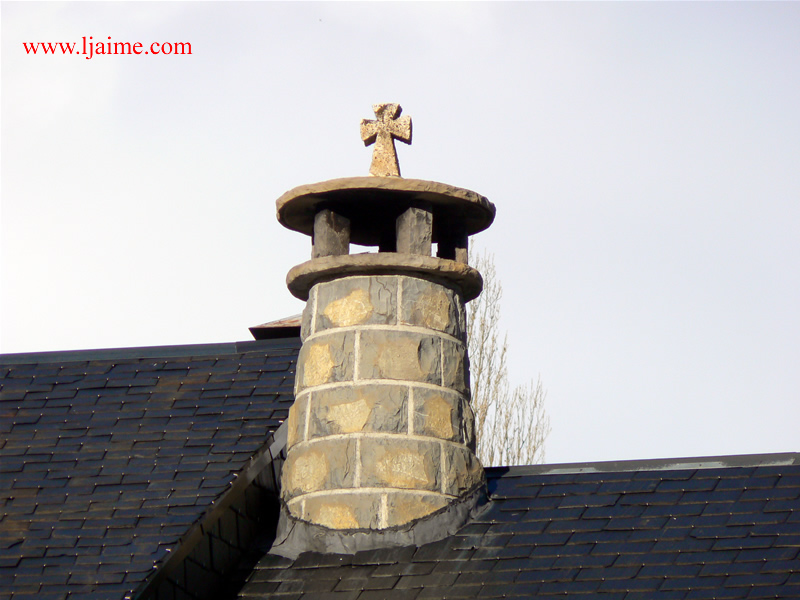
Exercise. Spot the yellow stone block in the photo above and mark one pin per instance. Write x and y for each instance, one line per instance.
(351, 416)
(318, 365)
(308, 471)
(433, 310)
(336, 516)
(404, 508)
(353, 309)
(439, 420)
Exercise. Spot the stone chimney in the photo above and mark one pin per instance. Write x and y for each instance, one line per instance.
(381, 436)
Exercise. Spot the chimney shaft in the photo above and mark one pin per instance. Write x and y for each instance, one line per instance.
(381, 433)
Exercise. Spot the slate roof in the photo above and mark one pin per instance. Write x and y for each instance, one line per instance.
(110, 456)
(700, 528)
(142, 472)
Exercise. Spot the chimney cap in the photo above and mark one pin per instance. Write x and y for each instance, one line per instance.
(372, 199)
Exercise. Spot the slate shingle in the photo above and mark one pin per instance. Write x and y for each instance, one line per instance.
(110, 456)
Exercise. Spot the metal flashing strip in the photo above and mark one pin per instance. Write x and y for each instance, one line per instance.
(657, 464)
(143, 352)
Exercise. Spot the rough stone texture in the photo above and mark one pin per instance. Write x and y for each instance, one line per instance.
(415, 231)
(331, 234)
(444, 415)
(324, 465)
(361, 408)
(344, 511)
(403, 507)
(296, 423)
(455, 367)
(303, 277)
(399, 462)
(462, 471)
(382, 132)
(399, 355)
(327, 359)
(433, 306)
(356, 301)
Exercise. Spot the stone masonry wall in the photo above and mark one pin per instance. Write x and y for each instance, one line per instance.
(381, 432)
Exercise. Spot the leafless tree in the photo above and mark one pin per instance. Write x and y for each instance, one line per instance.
(511, 424)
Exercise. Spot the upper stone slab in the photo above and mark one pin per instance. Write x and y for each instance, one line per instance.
(368, 201)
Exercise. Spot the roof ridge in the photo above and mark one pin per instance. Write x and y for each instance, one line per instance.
(134, 352)
(654, 464)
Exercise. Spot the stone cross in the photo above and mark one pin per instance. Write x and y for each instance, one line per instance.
(382, 132)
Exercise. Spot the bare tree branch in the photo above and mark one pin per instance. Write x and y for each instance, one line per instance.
(511, 424)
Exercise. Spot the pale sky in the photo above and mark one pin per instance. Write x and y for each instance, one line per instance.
(644, 159)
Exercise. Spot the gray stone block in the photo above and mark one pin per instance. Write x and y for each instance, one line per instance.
(296, 423)
(360, 408)
(462, 470)
(356, 301)
(455, 368)
(433, 306)
(327, 359)
(443, 415)
(400, 462)
(324, 465)
(400, 355)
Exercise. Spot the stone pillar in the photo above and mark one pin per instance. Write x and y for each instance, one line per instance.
(331, 234)
(415, 231)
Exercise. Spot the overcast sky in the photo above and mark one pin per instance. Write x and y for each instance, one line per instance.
(644, 159)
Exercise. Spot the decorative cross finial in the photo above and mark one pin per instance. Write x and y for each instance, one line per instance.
(382, 132)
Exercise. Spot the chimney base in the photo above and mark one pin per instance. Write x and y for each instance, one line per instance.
(295, 536)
